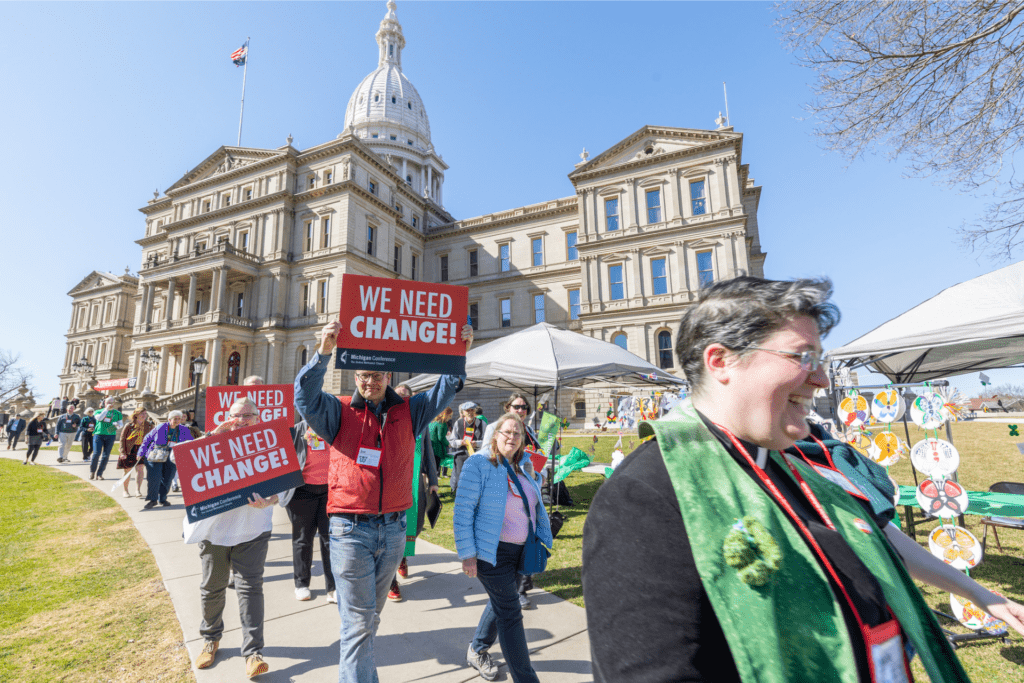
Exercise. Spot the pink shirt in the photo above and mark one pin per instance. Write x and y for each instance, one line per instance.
(517, 527)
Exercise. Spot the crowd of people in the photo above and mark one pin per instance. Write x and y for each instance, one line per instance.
(720, 549)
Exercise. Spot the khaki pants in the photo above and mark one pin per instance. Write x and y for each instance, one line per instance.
(65, 439)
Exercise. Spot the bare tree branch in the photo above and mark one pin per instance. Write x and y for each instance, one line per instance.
(938, 84)
(11, 374)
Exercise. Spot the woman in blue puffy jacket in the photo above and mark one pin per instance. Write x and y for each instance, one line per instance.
(491, 526)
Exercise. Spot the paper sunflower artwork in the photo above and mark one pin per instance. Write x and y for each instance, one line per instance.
(955, 546)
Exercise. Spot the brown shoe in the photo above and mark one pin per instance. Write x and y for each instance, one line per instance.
(205, 658)
(255, 666)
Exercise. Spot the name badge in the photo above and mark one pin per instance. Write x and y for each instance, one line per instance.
(837, 478)
(885, 653)
(107, 420)
(368, 457)
(316, 443)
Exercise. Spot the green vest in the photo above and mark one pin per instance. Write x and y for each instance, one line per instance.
(792, 627)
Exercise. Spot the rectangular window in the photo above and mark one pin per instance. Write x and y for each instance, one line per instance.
(242, 241)
(444, 268)
(697, 199)
(239, 304)
(311, 181)
(415, 222)
(615, 285)
(653, 206)
(574, 304)
(538, 308)
(226, 200)
(371, 233)
(506, 257)
(325, 232)
(474, 316)
(199, 306)
(398, 208)
(659, 276)
(305, 298)
(506, 312)
(705, 269)
(372, 187)
(570, 247)
(328, 177)
(206, 206)
(473, 269)
(537, 249)
(397, 266)
(321, 303)
(309, 236)
(248, 193)
(415, 260)
(611, 214)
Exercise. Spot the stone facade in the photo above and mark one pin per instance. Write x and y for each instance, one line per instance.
(242, 257)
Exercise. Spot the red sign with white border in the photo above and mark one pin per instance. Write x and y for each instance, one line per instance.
(274, 401)
(220, 472)
(393, 325)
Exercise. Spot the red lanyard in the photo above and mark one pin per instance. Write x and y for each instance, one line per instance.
(799, 523)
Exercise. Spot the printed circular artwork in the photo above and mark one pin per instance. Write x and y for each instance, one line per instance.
(886, 449)
(956, 546)
(929, 411)
(853, 410)
(935, 458)
(973, 617)
(861, 443)
(942, 498)
(888, 405)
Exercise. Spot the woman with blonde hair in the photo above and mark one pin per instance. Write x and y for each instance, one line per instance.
(498, 509)
(139, 425)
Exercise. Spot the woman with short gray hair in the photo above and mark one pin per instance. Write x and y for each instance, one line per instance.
(718, 551)
(156, 453)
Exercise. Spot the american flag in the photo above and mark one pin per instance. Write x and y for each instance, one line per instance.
(238, 56)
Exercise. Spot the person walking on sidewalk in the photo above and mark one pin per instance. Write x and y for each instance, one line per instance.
(14, 430)
(366, 501)
(497, 505)
(85, 430)
(467, 432)
(237, 539)
(439, 429)
(156, 454)
(67, 427)
(36, 431)
(139, 425)
(307, 511)
(108, 421)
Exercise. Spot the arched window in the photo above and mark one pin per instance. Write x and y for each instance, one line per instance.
(234, 362)
(303, 359)
(619, 339)
(394, 100)
(665, 349)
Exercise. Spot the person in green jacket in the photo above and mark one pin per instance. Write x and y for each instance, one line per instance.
(439, 429)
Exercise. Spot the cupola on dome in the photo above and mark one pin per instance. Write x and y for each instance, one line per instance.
(386, 103)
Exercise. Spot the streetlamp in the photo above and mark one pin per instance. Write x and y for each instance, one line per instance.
(198, 366)
(149, 360)
(83, 367)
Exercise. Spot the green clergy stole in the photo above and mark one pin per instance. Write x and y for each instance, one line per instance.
(791, 628)
(412, 514)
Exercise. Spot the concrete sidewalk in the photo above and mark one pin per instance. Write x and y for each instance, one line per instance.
(422, 638)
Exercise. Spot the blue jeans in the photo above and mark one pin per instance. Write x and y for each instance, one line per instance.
(364, 558)
(503, 618)
(159, 476)
(102, 444)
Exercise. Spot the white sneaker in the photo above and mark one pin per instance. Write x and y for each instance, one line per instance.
(483, 663)
(332, 597)
(126, 494)
(302, 594)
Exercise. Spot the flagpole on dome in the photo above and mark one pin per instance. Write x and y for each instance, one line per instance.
(240, 57)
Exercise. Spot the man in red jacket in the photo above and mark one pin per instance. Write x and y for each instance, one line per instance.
(372, 437)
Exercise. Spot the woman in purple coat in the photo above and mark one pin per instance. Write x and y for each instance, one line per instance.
(156, 453)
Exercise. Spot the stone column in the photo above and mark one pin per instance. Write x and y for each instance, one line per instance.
(186, 353)
(271, 361)
(147, 303)
(638, 284)
(190, 306)
(169, 313)
(404, 169)
(733, 177)
(581, 211)
(626, 218)
(584, 282)
(213, 371)
(683, 266)
(222, 281)
(137, 366)
(673, 195)
(161, 375)
(634, 207)
(719, 181)
(686, 208)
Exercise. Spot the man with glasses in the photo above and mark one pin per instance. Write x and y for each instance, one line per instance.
(372, 437)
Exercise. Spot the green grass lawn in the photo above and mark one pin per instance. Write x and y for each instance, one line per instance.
(81, 598)
(988, 455)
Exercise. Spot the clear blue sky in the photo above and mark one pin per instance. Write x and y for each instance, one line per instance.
(103, 103)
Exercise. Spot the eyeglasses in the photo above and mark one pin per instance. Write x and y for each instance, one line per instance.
(370, 377)
(519, 406)
(243, 416)
(809, 360)
(511, 436)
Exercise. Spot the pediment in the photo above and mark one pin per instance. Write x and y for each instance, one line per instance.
(224, 161)
(652, 143)
(94, 280)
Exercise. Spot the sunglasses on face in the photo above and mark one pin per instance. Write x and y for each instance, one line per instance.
(519, 406)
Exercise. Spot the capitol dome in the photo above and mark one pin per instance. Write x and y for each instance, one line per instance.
(386, 106)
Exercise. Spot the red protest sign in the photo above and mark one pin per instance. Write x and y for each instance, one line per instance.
(220, 472)
(273, 400)
(401, 326)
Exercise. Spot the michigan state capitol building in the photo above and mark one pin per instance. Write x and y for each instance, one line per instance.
(242, 257)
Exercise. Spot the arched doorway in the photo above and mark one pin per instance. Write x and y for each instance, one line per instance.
(234, 363)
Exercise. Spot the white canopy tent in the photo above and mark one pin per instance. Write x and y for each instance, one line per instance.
(543, 356)
(973, 326)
